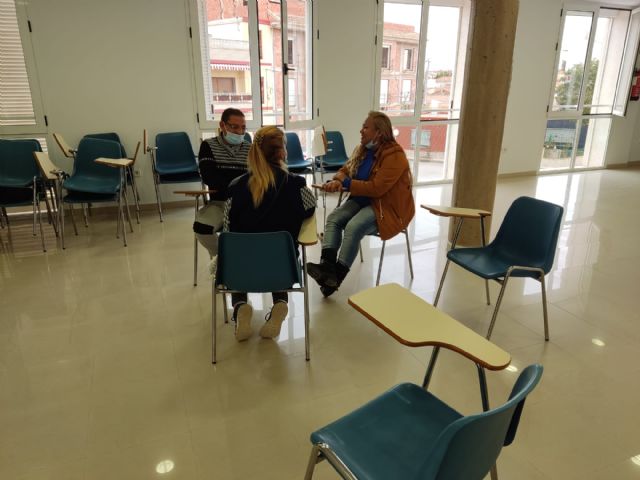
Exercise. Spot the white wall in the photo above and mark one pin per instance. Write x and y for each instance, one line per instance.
(345, 65)
(116, 65)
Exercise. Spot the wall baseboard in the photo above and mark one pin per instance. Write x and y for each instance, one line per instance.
(623, 166)
(528, 173)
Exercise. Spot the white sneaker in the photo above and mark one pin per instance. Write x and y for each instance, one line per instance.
(278, 313)
(242, 317)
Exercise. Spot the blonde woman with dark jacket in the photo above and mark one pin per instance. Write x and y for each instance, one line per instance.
(378, 178)
(266, 199)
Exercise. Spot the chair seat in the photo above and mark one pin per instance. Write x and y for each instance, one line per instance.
(15, 196)
(183, 177)
(489, 263)
(296, 164)
(73, 196)
(15, 182)
(391, 436)
(91, 184)
(177, 169)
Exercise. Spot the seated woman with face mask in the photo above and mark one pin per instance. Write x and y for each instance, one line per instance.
(378, 178)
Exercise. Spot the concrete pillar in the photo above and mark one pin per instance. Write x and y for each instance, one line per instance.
(484, 103)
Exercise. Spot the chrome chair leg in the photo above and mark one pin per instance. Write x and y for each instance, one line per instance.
(34, 200)
(61, 220)
(498, 302)
(544, 306)
(44, 248)
(136, 194)
(384, 243)
(158, 201)
(85, 215)
(195, 246)
(314, 458)
(214, 305)
(121, 217)
(73, 220)
(432, 364)
(444, 274)
(486, 290)
(126, 203)
(406, 237)
(307, 341)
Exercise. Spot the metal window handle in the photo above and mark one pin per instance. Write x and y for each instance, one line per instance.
(286, 68)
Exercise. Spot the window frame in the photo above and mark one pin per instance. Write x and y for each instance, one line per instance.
(255, 51)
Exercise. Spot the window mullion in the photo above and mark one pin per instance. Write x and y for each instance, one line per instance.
(587, 66)
(254, 61)
(422, 48)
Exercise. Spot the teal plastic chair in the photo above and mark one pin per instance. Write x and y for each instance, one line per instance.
(259, 263)
(336, 155)
(408, 433)
(296, 161)
(20, 180)
(91, 182)
(129, 172)
(524, 246)
(173, 161)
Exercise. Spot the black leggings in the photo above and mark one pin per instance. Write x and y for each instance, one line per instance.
(242, 297)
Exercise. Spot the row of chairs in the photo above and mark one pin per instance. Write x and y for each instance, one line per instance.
(27, 176)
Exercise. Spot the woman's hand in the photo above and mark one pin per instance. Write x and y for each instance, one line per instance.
(332, 186)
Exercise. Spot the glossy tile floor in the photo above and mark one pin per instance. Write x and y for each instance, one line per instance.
(105, 366)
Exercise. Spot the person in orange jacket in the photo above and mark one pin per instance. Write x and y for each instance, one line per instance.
(378, 179)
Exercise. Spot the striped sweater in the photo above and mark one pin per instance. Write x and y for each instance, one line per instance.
(220, 163)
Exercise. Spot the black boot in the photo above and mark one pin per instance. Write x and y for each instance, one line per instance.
(324, 272)
(341, 273)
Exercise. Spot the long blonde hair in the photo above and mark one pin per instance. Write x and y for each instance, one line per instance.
(383, 127)
(266, 152)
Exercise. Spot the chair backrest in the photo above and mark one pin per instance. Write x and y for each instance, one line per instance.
(17, 163)
(91, 148)
(336, 152)
(294, 148)
(174, 150)
(257, 262)
(529, 232)
(114, 137)
(470, 446)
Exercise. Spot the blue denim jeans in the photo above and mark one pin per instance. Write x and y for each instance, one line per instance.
(346, 226)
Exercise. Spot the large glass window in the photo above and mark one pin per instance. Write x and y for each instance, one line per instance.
(401, 34)
(248, 63)
(421, 74)
(587, 81)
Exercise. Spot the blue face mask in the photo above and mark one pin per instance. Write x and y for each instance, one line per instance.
(233, 138)
(370, 145)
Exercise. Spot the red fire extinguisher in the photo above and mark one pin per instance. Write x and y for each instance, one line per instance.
(635, 88)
